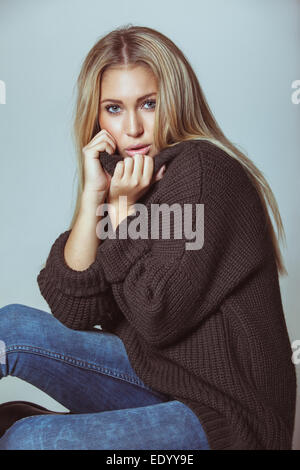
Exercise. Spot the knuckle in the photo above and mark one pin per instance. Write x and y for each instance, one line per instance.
(135, 182)
(147, 181)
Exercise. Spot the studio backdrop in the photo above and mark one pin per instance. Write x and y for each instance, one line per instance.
(246, 56)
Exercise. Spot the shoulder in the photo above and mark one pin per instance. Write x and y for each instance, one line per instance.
(215, 161)
(204, 165)
(206, 157)
(202, 172)
(228, 189)
(222, 174)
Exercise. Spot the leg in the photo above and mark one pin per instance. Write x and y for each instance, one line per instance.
(164, 426)
(85, 371)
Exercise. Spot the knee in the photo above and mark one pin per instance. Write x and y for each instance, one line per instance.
(6, 316)
(18, 321)
(10, 309)
(13, 312)
(19, 436)
(9, 314)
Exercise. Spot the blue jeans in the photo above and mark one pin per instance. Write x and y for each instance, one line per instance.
(89, 373)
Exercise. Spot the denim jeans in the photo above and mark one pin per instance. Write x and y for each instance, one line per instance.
(89, 373)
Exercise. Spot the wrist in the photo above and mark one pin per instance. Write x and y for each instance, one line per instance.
(95, 198)
(117, 214)
(90, 200)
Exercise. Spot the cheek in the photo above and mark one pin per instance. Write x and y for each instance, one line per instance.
(150, 120)
(103, 121)
(111, 125)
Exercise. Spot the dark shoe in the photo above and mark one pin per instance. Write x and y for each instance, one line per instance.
(12, 411)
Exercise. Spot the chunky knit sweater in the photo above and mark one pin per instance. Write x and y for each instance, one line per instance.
(204, 326)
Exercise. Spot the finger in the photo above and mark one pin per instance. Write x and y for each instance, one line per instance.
(119, 170)
(108, 175)
(161, 171)
(103, 135)
(100, 145)
(103, 139)
(109, 148)
(128, 167)
(148, 168)
(159, 174)
(138, 166)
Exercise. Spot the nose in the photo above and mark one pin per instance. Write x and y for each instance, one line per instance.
(134, 125)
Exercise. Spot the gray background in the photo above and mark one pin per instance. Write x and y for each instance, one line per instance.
(245, 54)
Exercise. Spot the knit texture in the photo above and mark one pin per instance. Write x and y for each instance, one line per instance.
(204, 326)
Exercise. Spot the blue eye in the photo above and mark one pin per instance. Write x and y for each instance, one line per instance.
(150, 101)
(117, 106)
(111, 106)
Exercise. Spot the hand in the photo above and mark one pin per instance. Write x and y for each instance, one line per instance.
(95, 177)
(132, 178)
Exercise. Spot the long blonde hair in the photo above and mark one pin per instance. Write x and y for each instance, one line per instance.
(182, 110)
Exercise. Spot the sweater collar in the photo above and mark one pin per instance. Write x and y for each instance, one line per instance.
(165, 155)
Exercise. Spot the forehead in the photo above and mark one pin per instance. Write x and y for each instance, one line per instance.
(127, 82)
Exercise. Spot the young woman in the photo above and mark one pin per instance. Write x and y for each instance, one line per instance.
(193, 350)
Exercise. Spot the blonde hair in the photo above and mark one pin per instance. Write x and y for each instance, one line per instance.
(182, 112)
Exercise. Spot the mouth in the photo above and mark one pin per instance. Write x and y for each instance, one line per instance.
(141, 150)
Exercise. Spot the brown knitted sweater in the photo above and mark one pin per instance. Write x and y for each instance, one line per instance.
(204, 326)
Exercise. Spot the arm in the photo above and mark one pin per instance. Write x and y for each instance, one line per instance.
(81, 247)
(71, 261)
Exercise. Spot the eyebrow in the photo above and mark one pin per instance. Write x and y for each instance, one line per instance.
(119, 101)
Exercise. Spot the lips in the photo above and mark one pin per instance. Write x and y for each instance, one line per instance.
(141, 150)
(136, 147)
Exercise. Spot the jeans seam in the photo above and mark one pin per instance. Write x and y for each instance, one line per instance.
(82, 364)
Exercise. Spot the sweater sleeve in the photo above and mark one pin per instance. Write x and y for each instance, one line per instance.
(78, 299)
(169, 290)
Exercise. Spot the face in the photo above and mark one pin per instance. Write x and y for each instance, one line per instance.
(124, 110)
